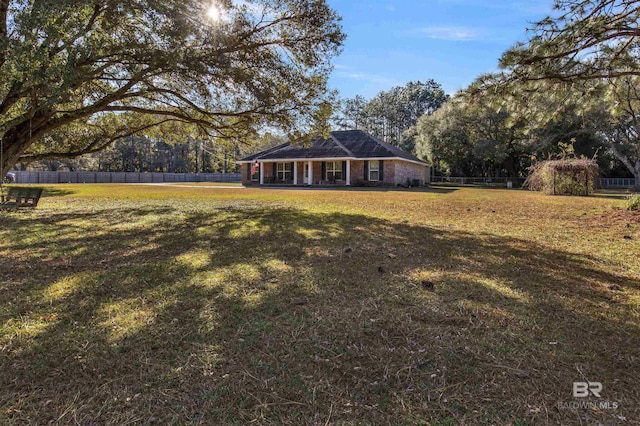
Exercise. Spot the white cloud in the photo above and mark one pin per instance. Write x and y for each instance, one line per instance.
(449, 33)
(366, 77)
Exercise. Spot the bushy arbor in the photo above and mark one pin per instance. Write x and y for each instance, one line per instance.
(77, 75)
(564, 177)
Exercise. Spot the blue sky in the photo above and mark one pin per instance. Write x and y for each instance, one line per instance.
(390, 43)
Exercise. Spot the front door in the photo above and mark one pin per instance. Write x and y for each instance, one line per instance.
(306, 173)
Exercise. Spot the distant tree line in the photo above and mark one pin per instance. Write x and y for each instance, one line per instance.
(138, 154)
(392, 115)
(144, 154)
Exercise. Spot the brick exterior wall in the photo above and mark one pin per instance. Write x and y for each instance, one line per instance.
(300, 168)
(403, 170)
(246, 179)
(357, 172)
(244, 174)
(395, 173)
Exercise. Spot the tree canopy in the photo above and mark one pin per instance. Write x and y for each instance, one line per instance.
(391, 114)
(496, 132)
(75, 76)
(471, 137)
(584, 39)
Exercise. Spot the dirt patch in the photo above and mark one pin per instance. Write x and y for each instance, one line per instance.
(618, 216)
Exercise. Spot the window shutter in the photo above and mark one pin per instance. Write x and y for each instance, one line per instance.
(324, 170)
(248, 171)
(381, 170)
(344, 170)
(275, 170)
(366, 170)
(292, 166)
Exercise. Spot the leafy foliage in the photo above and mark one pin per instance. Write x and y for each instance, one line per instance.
(585, 39)
(487, 135)
(75, 76)
(633, 203)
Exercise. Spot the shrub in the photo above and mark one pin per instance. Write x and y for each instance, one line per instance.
(564, 177)
(633, 203)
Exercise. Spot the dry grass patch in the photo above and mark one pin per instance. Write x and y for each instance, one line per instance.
(159, 305)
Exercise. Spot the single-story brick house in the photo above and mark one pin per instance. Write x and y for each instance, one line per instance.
(346, 158)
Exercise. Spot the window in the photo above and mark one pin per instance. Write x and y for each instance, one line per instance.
(255, 172)
(334, 170)
(374, 170)
(284, 171)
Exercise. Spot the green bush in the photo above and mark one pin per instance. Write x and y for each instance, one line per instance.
(633, 203)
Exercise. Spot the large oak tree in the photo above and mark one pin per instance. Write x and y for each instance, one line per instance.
(77, 75)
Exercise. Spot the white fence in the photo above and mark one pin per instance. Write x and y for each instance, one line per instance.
(122, 177)
(606, 183)
(617, 182)
(489, 181)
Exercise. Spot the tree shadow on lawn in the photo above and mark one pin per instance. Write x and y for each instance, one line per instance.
(614, 194)
(52, 191)
(249, 314)
(49, 191)
(398, 188)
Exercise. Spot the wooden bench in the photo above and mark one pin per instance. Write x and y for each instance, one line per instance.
(20, 197)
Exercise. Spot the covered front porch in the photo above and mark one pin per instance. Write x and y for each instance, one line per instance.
(310, 172)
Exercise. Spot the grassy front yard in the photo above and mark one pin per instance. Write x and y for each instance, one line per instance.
(159, 305)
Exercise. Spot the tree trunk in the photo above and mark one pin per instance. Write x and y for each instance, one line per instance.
(511, 166)
(12, 148)
(633, 168)
(17, 139)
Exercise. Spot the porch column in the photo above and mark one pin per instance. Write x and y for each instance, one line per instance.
(295, 172)
(348, 172)
(310, 173)
(261, 170)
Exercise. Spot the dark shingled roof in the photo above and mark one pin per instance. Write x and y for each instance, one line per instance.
(347, 143)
